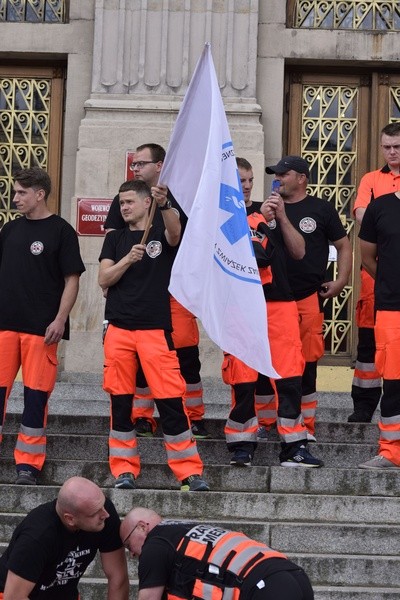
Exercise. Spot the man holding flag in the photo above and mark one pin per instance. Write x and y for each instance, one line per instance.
(215, 274)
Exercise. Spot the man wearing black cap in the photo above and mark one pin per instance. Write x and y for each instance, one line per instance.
(319, 223)
(270, 244)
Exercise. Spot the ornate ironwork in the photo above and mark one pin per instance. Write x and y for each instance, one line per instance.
(381, 15)
(329, 143)
(33, 11)
(24, 132)
(394, 104)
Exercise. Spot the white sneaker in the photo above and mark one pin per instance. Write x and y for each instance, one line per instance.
(311, 437)
(378, 462)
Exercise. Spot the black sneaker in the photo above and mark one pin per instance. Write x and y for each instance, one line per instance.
(199, 432)
(143, 428)
(194, 483)
(359, 417)
(262, 433)
(25, 477)
(125, 481)
(301, 457)
(241, 458)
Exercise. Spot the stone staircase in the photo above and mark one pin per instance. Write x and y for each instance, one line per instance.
(342, 524)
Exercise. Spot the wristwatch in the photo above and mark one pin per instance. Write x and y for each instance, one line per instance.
(166, 206)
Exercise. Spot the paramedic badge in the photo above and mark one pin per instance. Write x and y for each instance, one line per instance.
(307, 225)
(36, 248)
(154, 248)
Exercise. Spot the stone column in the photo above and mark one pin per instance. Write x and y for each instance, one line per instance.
(145, 52)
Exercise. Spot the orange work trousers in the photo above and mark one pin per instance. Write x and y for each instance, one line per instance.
(387, 360)
(185, 337)
(366, 386)
(287, 359)
(154, 349)
(311, 319)
(39, 372)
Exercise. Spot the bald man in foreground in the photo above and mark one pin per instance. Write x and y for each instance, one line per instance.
(53, 545)
(189, 560)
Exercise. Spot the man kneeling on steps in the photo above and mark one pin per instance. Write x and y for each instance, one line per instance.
(198, 560)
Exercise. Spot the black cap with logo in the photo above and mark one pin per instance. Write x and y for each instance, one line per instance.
(290, 163)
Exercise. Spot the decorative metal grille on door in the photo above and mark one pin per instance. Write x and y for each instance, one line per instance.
(31, 115)
(329, 143)
(24, 131)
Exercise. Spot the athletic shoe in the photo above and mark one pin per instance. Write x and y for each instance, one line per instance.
(379, 462)
(25, 477)
(143, 427)
(199, 432)
(359, 417)
(241, 458)
(262, 432)
(125, 481)
(301, 457)
(311, 437)
(194, 483)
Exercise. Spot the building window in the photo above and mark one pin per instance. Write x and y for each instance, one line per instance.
(373, 15)
(33, 11)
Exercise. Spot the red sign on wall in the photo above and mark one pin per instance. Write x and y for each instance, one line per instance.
(91, 214)
(129, 174)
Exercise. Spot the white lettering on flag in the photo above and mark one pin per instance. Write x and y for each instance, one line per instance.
(215, 273)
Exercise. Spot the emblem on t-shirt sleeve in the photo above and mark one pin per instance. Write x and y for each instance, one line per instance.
(271, 224)
(154, 248)
(307, 225)
(36, 248)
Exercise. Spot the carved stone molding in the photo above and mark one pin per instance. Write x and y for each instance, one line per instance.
(152, 47)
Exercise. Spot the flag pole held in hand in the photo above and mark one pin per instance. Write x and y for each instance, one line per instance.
(149, 222)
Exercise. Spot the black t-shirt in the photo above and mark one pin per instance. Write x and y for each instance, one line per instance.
(114, 218)
(380, 225)
(159, 557)
(35, 256)
(319, 223)
(42, 550)
(140, 299)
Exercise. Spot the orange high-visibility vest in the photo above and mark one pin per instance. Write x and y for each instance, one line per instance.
(221, 561)
(259, 238)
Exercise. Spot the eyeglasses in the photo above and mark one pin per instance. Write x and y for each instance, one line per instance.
(124, 542)
(387, 147)
(141, 163)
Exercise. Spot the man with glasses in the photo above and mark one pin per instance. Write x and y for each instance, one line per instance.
(366, 387)
(147, 164)
(199, 560)
(54, 544)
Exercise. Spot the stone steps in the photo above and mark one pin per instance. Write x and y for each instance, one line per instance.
(276, 479)
(95, 589)
(98, 424)
(342, 524)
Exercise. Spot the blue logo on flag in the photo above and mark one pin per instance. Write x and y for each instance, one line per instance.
(231, 200)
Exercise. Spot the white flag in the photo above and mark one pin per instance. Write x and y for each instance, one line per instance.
(215, 273)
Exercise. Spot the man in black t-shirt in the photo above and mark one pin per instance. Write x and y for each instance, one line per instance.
(40, 265)
(147, 165)
(380, 255)
(319, 223)
(198, 560)
(137, 273)
(272, 237)
(53, 545)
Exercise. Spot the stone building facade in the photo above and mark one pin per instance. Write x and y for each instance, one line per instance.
(127, 65)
